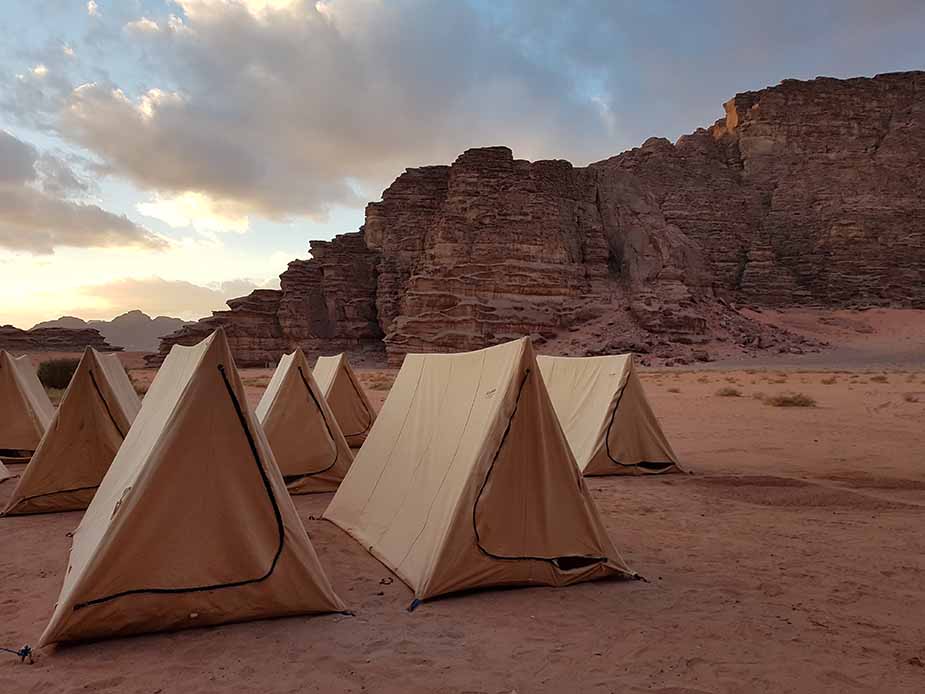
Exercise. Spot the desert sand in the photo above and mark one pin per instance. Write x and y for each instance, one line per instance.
(791, 558)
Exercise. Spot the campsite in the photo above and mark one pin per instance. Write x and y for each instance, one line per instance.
(787, 542)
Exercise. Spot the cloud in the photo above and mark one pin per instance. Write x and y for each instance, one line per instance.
(93, 9)
(157, 296)
(143, 25)
(35, 215)
(287, 108)
(198, 211)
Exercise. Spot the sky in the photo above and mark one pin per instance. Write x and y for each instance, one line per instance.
(167, 155)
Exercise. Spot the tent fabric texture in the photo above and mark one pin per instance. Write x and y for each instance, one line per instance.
(467, 481)
(25, 410)
(307, 443)
(606, 416)
(192, 525)
(93, 418)
(352, 409)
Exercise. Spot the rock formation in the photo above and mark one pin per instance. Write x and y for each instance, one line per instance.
(134, 330)
(807, 193)
(15, 340)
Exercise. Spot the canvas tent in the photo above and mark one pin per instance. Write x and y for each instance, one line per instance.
(192, 525)
(25, 410)
(5, 473)
(93, 418)
(467, 481)
(307, 442)
(342, 390)
(605, 415)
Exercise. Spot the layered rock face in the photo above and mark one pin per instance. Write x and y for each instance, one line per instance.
(53, 340)
(805, 193)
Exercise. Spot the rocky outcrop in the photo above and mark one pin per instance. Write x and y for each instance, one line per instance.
(53, 340)
(807, 193)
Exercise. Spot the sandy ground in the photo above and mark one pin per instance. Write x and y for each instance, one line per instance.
(791, 560)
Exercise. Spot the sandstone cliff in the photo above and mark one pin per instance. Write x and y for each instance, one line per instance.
(807, 193)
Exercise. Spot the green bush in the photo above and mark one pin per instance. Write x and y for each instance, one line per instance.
(57, 373)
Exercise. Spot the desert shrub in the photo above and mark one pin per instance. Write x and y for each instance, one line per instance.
(57, 373)
(790, 400)
(377, 381)
(141, 387)
(674, 390)
(829, 381)
(758, 395)
(910, 397)
(879, 379)
(729, 392)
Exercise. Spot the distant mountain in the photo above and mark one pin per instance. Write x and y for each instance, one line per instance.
(135, 331)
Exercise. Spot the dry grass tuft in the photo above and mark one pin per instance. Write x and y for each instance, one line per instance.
(141, 387)
(910, 397)
(758, 395)
(829, 381)
(790, 400)
(729, 392)
(879, 379)
(674, 390)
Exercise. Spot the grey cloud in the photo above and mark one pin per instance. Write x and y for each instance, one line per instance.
(35, 215)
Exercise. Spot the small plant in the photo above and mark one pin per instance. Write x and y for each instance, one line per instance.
(790, 400)
(57, 373)
(729, 392)
(140, 386)
(829, 381)
(910, 397)
(759, 395)
(674, 390)
(879, 379)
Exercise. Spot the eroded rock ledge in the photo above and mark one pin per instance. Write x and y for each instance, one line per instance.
(807, 193)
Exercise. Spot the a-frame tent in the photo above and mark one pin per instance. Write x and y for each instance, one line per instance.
(94, 416)
(352, 409)
(606, 416)
(192, 525)
(307, 443)
(467, 481)
(25, 410)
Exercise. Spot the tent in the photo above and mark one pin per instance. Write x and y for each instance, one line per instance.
(342, 390)
(467, 481)
(25, 410)
(5, 473)
(307, 442)
(93, 418)
(192, 525)
(606, 417)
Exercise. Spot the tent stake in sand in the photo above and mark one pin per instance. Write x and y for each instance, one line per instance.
(25, 410)
(606, 416)
(467, 481)
(306, 440)
(192, 525)
(92, 420)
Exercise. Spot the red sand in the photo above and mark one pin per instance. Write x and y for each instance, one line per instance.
(792, 560)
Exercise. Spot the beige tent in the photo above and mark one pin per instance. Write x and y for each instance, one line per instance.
(352, 409)
(307, 442)
(93, 418)
(5, 473)
(467, 481)
(606, 417)
(25, 410)
(192, 525)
